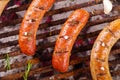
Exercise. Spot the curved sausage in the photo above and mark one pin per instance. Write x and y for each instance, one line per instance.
(3, 4)
(66, 39)
(101, 49)
(30, 24)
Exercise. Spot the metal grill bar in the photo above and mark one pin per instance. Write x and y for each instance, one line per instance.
(45, 35)
(53, 23)
(76, 61)
(58, 11)
(57, 76)
(39, 70)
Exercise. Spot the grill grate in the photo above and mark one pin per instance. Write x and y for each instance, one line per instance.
(76, 60)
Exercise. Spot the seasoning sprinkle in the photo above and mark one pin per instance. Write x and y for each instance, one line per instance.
(103, 44)
(66, 37)
(102, 68)
(25, 33)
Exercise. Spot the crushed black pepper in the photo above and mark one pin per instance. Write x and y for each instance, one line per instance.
(111, 32)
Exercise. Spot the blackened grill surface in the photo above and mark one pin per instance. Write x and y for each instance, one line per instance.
(42, 68)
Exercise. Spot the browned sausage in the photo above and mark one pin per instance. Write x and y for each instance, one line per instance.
(30, 24)
(67, 37)
(101, 49)
(3, 4)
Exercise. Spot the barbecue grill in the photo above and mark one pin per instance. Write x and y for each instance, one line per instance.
(79, 63)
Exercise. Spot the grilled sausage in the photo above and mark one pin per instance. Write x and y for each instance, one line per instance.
(66, 39)
(30, 24)
(101, 49)
(3, 4)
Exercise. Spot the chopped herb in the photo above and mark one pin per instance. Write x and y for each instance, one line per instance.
(7, 65)
(29, 65)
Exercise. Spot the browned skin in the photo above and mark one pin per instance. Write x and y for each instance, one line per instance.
(30, 24)
(71, 29)
(101, 49)
(3, 4)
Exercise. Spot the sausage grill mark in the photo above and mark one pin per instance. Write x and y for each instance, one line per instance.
(104, 44)
(65, 37)
(111, 32)
(39, 8)
(100, 60)
(58, 52)
(31, 20)
(61, 50)
(73, 22)
(101, 74)
(28, 34)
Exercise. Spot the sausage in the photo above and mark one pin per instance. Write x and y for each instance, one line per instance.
(3, 4)
(66, 39)
(101, 49)
(30, 24)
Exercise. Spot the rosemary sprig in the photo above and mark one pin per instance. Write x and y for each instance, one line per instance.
(29, 65)
(7, 60)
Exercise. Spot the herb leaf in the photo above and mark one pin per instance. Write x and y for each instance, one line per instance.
(29, 65)
(7, 65)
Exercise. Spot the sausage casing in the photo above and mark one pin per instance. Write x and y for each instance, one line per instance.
(3, 4)
(30, 24)
(101, 49)
(67, 37)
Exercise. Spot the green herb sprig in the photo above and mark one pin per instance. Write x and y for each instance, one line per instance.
(7, 61)
(29, 65)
